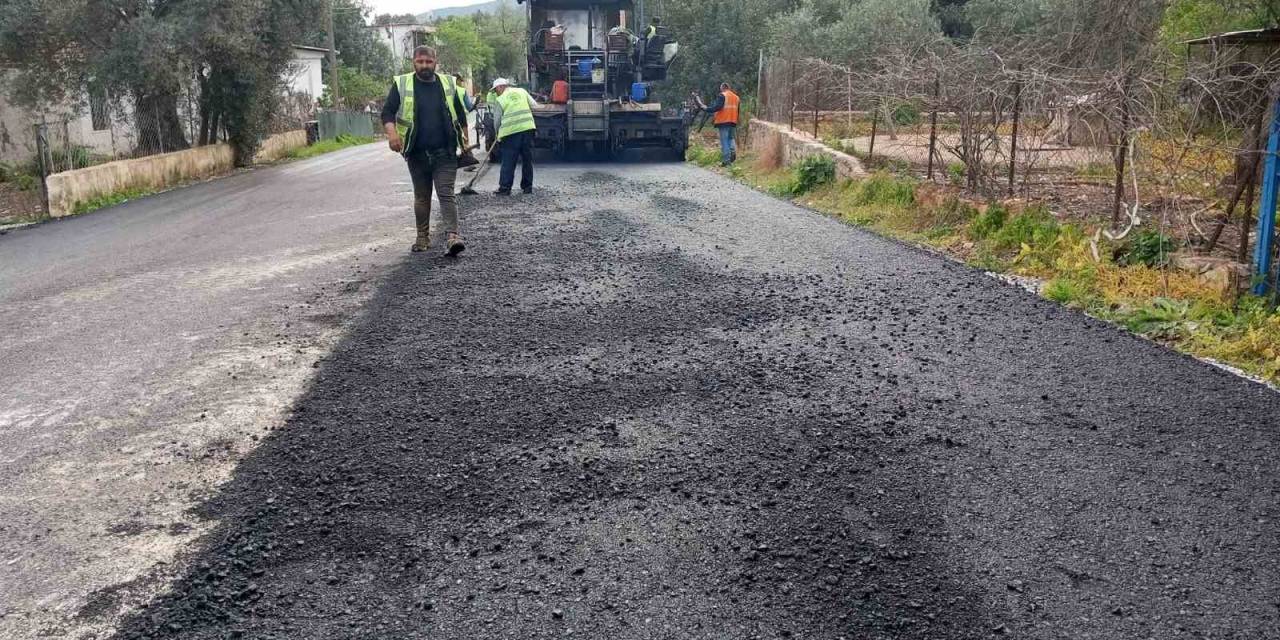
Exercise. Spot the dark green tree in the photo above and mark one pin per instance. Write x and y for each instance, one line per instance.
(358, 46)
(720, 41)
(395, 18)
(147, 51)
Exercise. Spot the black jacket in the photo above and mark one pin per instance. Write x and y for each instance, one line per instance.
(432, 131)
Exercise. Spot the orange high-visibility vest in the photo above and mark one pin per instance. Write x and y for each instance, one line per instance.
(729, 113)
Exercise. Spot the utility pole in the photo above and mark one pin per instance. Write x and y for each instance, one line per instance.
(334, 90)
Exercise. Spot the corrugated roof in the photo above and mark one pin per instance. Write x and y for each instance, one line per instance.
(1246, 37)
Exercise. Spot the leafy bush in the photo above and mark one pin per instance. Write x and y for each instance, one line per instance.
(906, 114)
(7, 172)
(26, 182)
(1033, 227)
(988, 222)
(956, 173)
(1150, 248)
(812, 172)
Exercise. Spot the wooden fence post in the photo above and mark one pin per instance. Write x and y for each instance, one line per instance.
(1013, 141)
(933, 122)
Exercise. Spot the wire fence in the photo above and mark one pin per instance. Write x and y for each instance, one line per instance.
(1178, 145)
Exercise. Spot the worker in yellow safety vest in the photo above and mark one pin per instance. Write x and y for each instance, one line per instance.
(513, 119)
(422, 117)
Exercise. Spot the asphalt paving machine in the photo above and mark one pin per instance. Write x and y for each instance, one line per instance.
(596, 70)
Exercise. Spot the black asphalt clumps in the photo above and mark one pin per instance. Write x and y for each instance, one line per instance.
(623, 414)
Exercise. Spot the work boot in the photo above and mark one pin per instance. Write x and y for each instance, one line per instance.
(454, 246)
(502, 192)
(528, 191)
(422, 243)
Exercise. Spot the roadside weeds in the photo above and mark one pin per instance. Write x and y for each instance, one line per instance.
(1128, 283)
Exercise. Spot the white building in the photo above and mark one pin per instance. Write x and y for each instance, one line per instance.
(106, 127)
(101, 126)
(402, 38)
(306, 75)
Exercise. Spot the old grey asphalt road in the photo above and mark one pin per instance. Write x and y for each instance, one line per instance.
(647, 403)
(147, 347)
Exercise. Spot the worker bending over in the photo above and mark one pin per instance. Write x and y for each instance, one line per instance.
(421, 117)
(513, 119)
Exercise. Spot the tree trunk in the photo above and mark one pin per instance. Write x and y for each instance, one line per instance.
(1247, 221)
(159, 127)
(1121, 155)
(1248, 162)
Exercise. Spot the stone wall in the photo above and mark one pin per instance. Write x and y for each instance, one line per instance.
(153, 173)
(279, 145)
(795, 145)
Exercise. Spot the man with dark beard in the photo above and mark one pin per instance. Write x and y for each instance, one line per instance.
(421, 118)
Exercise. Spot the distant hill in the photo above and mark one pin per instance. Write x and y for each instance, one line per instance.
(483, 7)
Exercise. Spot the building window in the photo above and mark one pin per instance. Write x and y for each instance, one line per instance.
(98, 109)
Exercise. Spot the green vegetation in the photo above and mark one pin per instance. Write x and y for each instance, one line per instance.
(358, 89)
(110, 199)
(703, 156)
(21, 178)
(811, 172)
(328, 146)
(1150, 248)
(1136, 289)
(461, 46)
(906, 114)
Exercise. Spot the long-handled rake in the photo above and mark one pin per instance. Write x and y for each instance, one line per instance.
(484, 165)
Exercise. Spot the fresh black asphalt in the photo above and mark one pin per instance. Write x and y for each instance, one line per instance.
(651, 403)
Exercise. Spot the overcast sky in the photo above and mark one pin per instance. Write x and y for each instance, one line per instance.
(416, 6)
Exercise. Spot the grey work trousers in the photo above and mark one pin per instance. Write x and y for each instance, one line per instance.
(441, 171)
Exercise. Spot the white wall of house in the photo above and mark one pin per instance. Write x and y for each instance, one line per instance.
(305, 74)
(105, 128)
(402, 38)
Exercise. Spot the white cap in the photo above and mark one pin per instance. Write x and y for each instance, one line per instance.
(500, 82)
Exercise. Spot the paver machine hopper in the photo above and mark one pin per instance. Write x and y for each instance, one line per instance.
(596, 70)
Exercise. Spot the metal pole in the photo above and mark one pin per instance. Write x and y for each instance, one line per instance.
(42, 161)
(791, 94)
(848, 97)
(815, 107)
(1013, 141)
(760, 81)
(159, 131)
(875, 124)
(1267, 208)
(334, 89)
(933, 122)
(67, 155)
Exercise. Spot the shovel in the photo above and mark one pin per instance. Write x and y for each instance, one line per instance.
(484, 164)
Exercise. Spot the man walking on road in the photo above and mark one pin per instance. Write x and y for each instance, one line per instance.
(725, 107)
(421, 117)
(513, 119)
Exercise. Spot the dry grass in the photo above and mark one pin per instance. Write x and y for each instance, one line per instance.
(768, 157)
